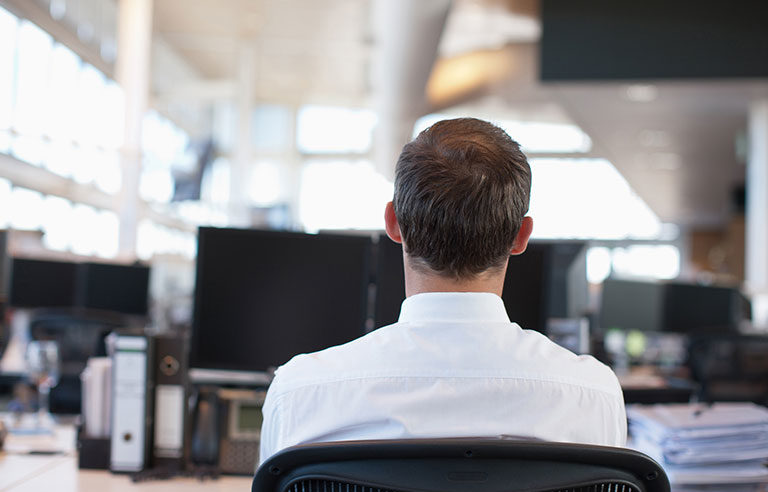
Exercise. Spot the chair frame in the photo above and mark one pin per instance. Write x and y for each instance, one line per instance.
(456, 465)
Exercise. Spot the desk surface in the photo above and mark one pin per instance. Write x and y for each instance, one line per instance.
(60, 473)
(24, 472)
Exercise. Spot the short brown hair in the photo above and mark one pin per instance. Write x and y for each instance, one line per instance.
(462, 188)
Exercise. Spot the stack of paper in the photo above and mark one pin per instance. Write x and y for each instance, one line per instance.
(723, 446)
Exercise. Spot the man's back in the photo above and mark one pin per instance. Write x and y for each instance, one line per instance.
(453, 366)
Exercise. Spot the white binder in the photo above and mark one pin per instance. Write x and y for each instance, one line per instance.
(130, 410)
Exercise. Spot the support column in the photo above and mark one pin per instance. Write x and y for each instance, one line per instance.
(132, 71)
(294, 163)
(407, 37)
(241, 162)
(756, 254)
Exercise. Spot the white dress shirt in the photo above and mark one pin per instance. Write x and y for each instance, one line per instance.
(452, 366)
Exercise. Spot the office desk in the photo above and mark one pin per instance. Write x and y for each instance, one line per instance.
(22, 472)
(60, 474)
(647, 386)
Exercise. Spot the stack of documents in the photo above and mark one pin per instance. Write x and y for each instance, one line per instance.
(723, 446)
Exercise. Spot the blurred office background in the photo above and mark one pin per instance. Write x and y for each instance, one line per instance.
(127, 124)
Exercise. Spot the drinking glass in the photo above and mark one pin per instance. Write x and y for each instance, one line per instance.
(43, 369)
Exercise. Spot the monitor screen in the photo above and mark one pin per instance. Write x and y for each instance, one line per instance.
(390, 281)
(118, 288)
(262, 297)
(41, 283)
(527, 287)
(691, 308)
(525, 294)
(631, 305)
(670, 307)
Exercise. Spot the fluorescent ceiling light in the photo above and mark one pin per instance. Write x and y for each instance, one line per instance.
(641, 92)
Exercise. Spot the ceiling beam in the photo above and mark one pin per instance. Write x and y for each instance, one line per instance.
(35, 13)
(25, 175)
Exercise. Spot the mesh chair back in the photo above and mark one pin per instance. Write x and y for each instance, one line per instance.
(458, 465)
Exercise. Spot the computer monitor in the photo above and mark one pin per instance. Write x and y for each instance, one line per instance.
(41, 283)
(631, 305)
(262, 297)
(390, 281)
(532, 280)
(675, 307)
(528, 287)
(116, 288)
(691, 308)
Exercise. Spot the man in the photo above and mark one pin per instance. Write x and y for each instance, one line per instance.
(453, 365)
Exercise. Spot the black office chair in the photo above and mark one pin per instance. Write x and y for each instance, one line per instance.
(458, 465)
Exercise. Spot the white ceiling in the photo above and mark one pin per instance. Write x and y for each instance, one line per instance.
(304, 49)
(678, 150)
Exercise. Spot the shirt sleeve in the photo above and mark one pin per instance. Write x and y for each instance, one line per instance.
(270, 428)
(622, 421)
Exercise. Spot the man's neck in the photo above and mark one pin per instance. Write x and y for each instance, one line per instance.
(419, 282)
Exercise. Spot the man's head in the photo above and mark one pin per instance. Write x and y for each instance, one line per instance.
(462, 190)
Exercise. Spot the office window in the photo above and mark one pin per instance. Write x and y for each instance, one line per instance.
(31, 149)
(265, 183)
(200, 212)
(65, 115)
(163, 144)
(342, 195)
(215, 186)
(62, 85)
(8, 33)
(271, 128)
(61, 157)
(154, 239)
(89, 127)
(645, 261)
(106, 241)
(659, 261)
(146, 238)
(598, 264)
(85, 167)
(5, 141)
(85, 232)
(324, 129)
(27, 207)
(33, 60)
(109, 175)
(156, 184)
(161, 140)
(113, 112)
(57, 223)
(5, 203)
(587, 199)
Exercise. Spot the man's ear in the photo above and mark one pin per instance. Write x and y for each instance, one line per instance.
(391, 224)
(521, 240)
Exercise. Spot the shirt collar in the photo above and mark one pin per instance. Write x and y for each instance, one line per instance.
(454, 306)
